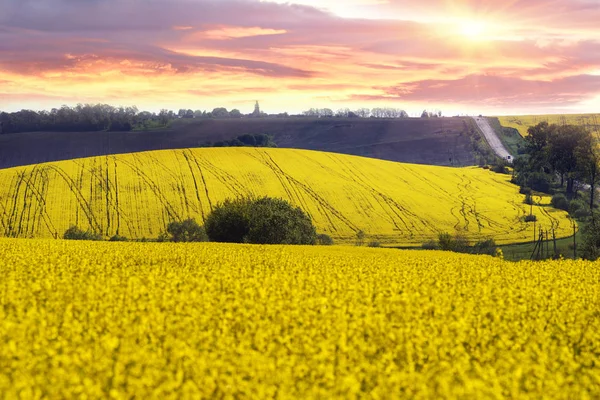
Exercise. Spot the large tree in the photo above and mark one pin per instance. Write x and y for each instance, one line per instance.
(588, 164)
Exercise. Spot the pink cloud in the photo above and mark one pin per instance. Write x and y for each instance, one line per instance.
(548, 55)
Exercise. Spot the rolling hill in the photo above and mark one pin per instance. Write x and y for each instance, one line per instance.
(523, 122)
(434, 141)
(137, 194)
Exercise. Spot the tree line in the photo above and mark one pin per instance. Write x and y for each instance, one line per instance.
(559, 156)
(103, 117)
(83, 118)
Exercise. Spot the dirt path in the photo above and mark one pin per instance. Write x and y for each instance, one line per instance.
(493, 139)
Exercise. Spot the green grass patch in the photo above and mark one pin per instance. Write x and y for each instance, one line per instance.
(510, 137)
(524, 251)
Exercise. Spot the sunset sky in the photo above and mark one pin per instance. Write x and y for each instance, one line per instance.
(461, 56)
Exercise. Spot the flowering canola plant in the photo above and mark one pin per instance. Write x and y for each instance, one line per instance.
(137, 195)
(165, 320)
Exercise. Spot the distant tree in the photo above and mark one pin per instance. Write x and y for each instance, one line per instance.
(324, 240)
(220, 112)
(590, 248)
(228, 222)
(360, 237)
(74, 233)
(259, 221)
(425, 114)
(186, 231)
(164, 117)
(363, 112)
(235, 113)
(276, 221)
(588, 164)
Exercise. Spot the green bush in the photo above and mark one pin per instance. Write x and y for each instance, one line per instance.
(528, 199)
(275, 221)
(324, 240)
(579, 209)
(260, 221)
(560, 201)
(457, 243)
(537, 181)
(530, 218)
(430, 245)
(581, 214)
(186, 231)
(74, 233)
(500, 168)
(525, 190)
(590, 248)
(360, 237)
(374, 243)
(118, 238)
(487, 246)
(229, 222)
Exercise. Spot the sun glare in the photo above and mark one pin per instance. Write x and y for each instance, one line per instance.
(472, 29)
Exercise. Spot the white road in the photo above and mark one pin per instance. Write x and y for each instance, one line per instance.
(493, 139)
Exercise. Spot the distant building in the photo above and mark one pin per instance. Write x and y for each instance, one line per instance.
(256, 112)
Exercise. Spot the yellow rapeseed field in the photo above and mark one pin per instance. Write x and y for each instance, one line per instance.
(523, 122)
(137, 195)
(160, 321)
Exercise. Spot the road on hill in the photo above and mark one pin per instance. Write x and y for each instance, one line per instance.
(493, 139)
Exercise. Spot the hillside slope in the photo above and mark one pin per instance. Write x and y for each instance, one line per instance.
(523, 122)
(136, 195)
(434, 141)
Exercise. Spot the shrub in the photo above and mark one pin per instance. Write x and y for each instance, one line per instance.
(581, 214)
(590, 248)
(374, 243)
(528, 199)
(229, 221)
(578, 207)
(560, 201)
(458, 242)
(163, 237)
(74, 233)
(118, 238)
(275, 221)
(186, 231)
(530, 218)
(525, 190)
(360, 237)
(445, 241)
(324, 240)
(430, 245)
(500, 168)
(260, 221)
(487, 246)
(540, 182)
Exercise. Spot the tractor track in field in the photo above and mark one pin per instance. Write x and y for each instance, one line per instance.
(326, 208)
(168, 207)
(83, 203)
(396, 211)
(195, 180)
(193, 157)
(108, 187)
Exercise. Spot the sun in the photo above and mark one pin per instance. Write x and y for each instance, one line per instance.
(472, 29)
